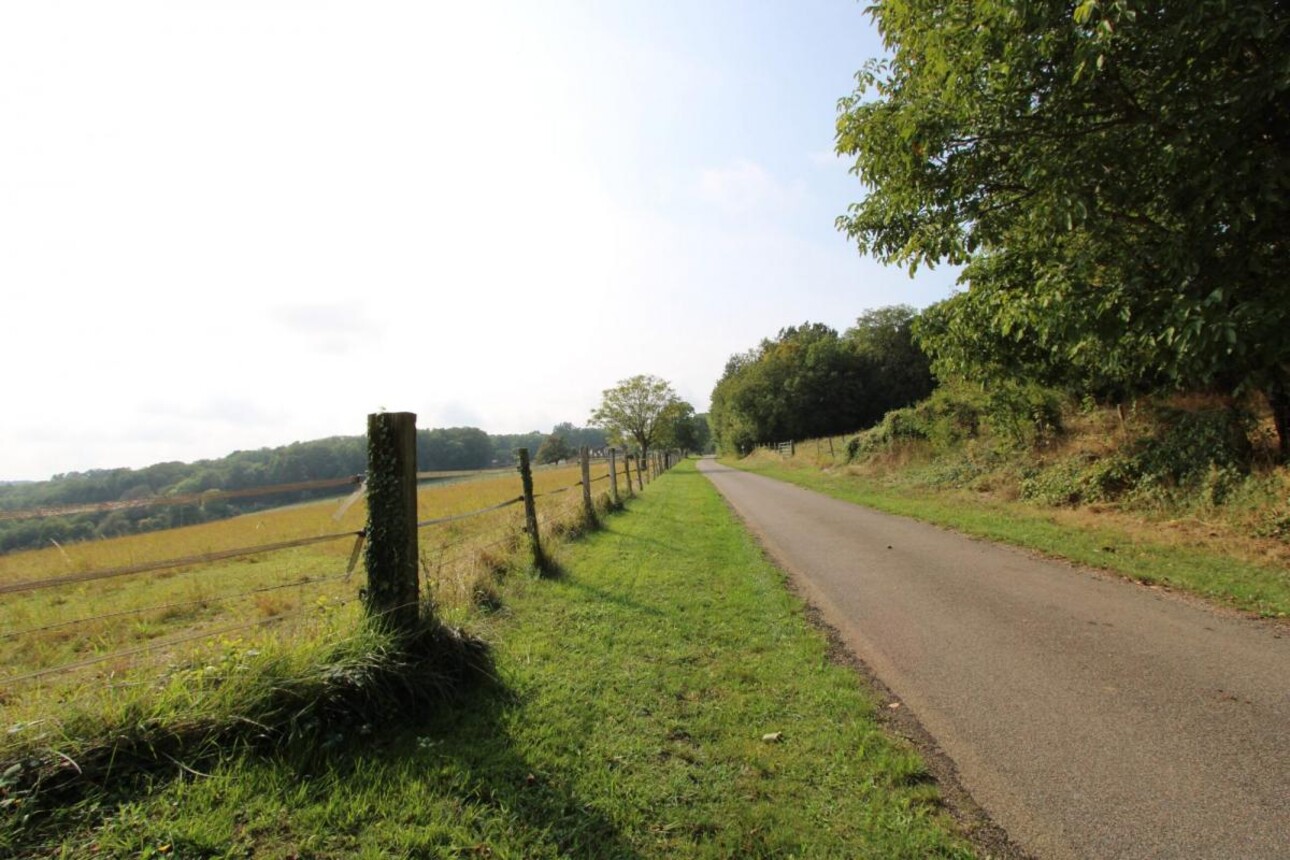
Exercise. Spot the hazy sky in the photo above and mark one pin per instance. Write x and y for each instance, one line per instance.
(241, 223)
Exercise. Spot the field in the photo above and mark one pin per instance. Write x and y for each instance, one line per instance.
(94, 644)
(662, 696)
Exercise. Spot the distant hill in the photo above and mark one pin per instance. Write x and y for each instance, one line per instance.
(451, 448)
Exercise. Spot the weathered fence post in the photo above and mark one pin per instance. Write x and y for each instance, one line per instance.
(627, 471)
(530, 512)
(613, 477)
(640, 479)
(588, 508)
(391, 556)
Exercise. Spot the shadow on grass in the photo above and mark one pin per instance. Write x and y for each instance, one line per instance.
(437, 701)
(535, 804)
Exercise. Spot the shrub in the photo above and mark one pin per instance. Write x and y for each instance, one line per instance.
(1188, 443)
(1024, 415)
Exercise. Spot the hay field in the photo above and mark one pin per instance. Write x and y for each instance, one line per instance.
(153, 623)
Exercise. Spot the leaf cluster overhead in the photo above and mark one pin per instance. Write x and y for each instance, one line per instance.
(1113, 174)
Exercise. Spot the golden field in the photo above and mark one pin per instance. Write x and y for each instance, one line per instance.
(146, 623)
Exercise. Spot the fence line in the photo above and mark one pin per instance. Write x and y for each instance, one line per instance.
(216, 495)
(559, 512)
(454, 517)
(464, 556)
(168, 564)
(508, 530)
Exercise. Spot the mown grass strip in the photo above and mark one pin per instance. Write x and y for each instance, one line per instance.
(630, 718)
(1264, 590)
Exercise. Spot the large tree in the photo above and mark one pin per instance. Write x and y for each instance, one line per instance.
(1113, 174)
(637, 410)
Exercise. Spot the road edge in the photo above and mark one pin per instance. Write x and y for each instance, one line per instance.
(976, 825)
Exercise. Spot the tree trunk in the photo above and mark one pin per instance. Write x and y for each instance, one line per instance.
(1278, 394)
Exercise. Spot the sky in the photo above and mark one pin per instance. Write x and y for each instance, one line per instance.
(241, 223)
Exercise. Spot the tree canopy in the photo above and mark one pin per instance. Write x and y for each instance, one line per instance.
(809, 381)
(637, 410)
(553, 449)
(1113, 174)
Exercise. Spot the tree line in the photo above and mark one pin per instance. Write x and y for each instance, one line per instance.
(439, 449)
(810, 381)
(1112, 177)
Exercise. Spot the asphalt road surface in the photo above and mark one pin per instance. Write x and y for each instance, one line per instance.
(1088, 716)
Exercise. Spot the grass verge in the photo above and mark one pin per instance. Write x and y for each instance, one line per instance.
(664, 696)
(1261, 589)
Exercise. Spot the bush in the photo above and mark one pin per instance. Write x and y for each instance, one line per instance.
(1024, 415)
(1205, 454)
(1018, 416)
(1189, 443)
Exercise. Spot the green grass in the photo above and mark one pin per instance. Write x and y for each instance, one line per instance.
(1262, 589)
(627, 719)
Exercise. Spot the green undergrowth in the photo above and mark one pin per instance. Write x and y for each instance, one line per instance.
(1107, 544)
(662, 695)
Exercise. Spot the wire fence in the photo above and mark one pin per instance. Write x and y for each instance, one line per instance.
(40, 643)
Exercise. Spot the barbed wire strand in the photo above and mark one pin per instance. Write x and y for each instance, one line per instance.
(465, 473)
(149, 567)
(557, 492)
(508, 530)
(454, 517)
(451, 560)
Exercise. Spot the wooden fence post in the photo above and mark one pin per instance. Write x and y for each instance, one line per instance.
(640, 478)
(530, 512)
(613, 477)
(588, 509)
(392, 596)
(627, 471)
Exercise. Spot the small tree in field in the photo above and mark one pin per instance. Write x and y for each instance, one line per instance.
(554, 449)
(637, 410)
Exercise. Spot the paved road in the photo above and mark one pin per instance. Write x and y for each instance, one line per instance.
(1090, 717)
